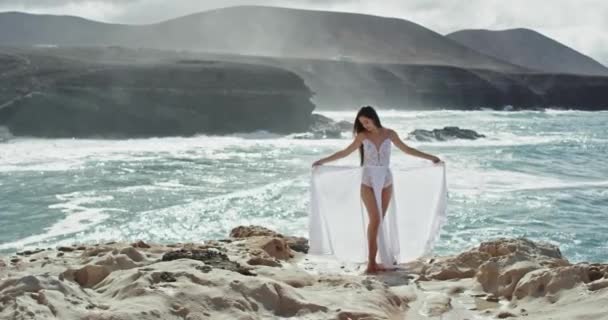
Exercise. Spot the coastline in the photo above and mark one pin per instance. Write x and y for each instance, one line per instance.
(259, 274)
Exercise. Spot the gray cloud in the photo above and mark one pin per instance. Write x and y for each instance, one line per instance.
(578, 24)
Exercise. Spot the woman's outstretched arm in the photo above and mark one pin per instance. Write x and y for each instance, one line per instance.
(342, 153)
(409, 150)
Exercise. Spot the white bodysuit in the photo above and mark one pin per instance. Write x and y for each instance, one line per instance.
(376, 163)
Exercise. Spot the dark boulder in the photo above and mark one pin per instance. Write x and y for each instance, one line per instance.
(210, 257)
(447, 133)
(323, 127)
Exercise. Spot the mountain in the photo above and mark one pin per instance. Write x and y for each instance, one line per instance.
(250, 68)
(529, 49)
(260, 31)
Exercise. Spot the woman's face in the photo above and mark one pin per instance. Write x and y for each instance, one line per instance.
(367, 123)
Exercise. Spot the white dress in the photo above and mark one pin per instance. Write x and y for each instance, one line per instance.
(338, 220)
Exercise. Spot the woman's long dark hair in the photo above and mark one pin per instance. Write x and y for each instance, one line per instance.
(370, 113)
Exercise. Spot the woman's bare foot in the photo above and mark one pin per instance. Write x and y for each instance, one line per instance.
(371, 269)
(382, 268)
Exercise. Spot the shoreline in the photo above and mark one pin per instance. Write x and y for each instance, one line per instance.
(257, 273)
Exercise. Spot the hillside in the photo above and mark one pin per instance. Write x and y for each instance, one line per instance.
(263, 31)
(529, 49)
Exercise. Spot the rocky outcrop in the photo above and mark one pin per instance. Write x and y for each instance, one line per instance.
(517, 268)
(298, 244)
(186, 281)
(210, 281)
(51, 94)
(348, 85)
(447, 133)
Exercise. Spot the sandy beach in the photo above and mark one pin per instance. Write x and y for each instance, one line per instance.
(259, 274)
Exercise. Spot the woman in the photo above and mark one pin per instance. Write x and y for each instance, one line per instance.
(372, 140)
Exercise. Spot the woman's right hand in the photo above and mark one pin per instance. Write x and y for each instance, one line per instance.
(317, 163)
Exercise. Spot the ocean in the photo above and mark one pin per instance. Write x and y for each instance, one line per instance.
(538, 174)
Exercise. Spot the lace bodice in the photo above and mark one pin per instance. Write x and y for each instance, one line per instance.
(374, 156)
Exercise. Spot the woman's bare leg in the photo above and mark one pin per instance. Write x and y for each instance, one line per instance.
(387, 193)
(369, 199)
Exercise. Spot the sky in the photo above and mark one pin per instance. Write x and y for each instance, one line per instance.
(580, 24)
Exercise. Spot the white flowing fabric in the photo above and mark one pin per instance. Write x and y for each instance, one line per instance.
(338, 219)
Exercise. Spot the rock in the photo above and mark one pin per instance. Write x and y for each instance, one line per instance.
(450, 272)
(520, 268)
(505, 314)
(597, 271)
(140, 244)
(29, 252)
(275, 247)
(544, 252)
(298, 244)
(500, 278)
(263, 261)
(65, 249)
(344, 125)
(133, 254)
(501, 265)
(357, 315)
(598, 285)
(447, 133)
(117, 262)
(436, 304)
(252, 231)
(323, 127)
(210, 257)
(88, 276)
(167, 277)
(282, 299)
(464, 265)
(548, 281)
(204, 269)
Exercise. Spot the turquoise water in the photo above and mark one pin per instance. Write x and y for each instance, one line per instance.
(539, 174)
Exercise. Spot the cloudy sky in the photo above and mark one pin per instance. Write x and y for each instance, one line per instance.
(579, 24)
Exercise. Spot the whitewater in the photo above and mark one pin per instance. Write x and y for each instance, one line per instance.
(538, 174)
